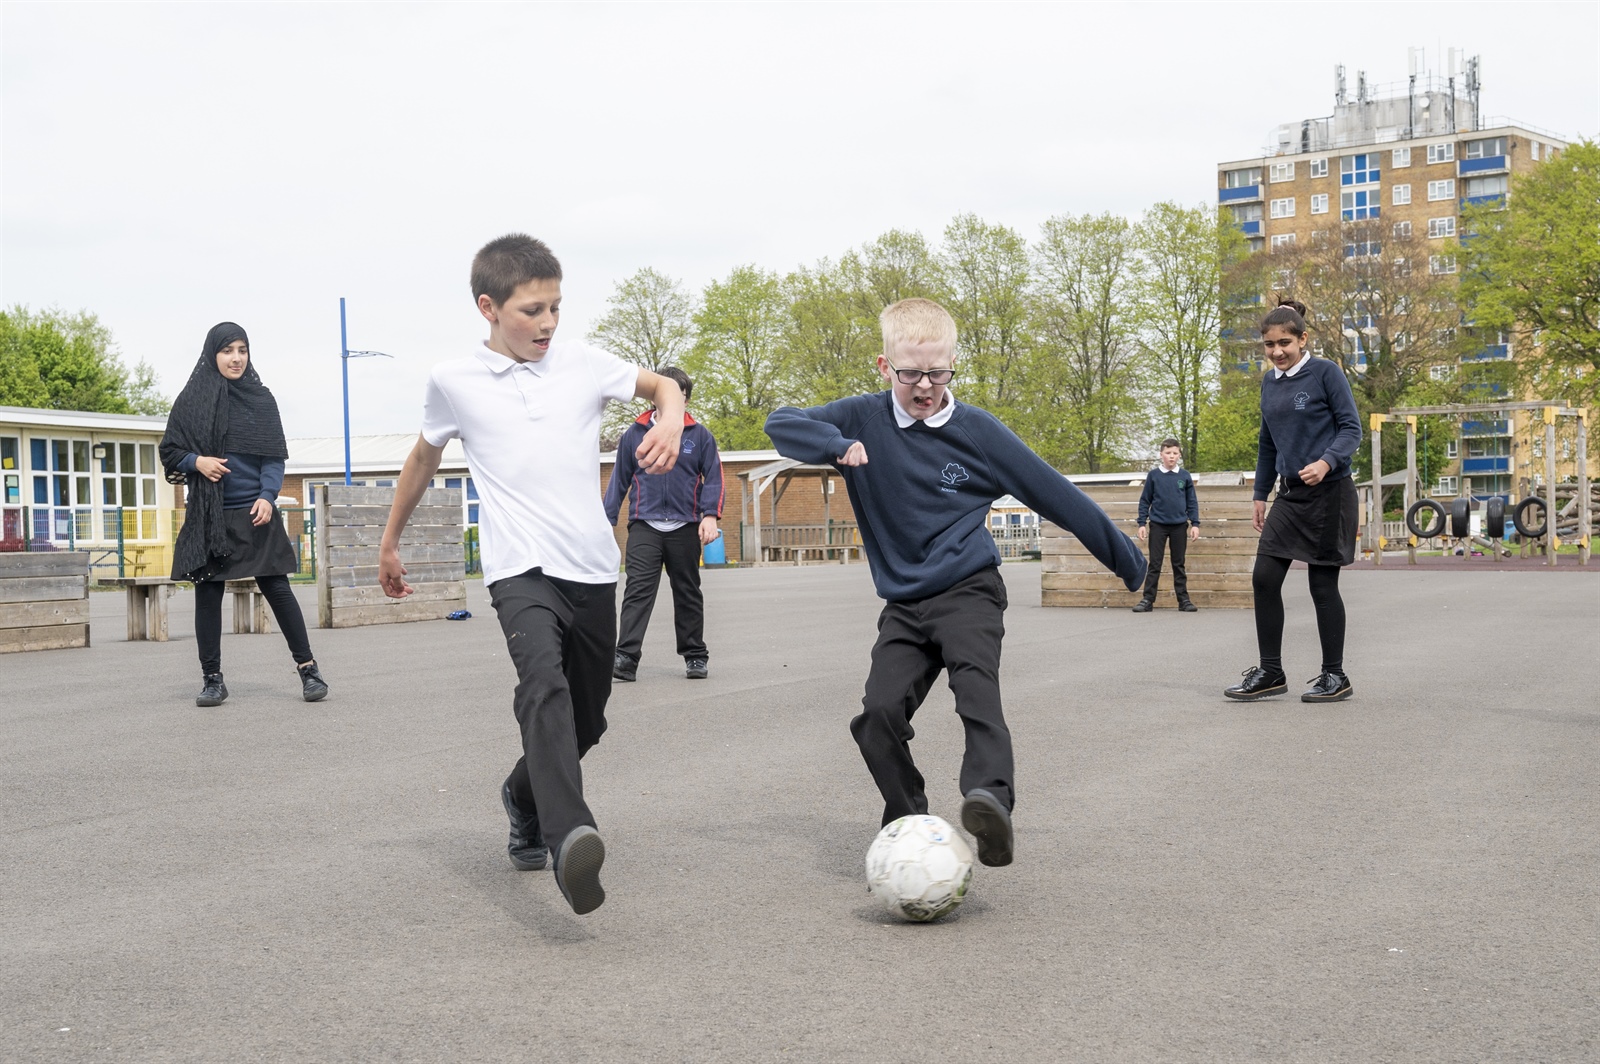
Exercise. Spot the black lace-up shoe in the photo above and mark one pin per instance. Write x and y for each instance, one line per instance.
(1144, 606)
(313, 688)
(696, 668)
(1331, 686)
(990, 823)
(525, 846)
(578, 864)
(214, 692)
(1258, 683)
(625, 668)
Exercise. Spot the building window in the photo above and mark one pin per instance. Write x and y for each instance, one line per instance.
(1400, 341)
(1280, 172)
(1400, 195)
(1283, 240)
(1402, 268)
(1493, 185)
(1533, 149)
(1441, 227)
(1444, 337)
(1441, 264)
(1247, 212)
(1446, 486)
(1255, 243)
(1318, 167)
(1487, 148)
(1442, 373)
(1241, 178)
(1283, 208)
(1358, 205)
(128, 490)
(1442, 190)
(1358, 169)
(1442, 153)
(1538, 446)
(1319, 203)
(1400, 157)
(1402, 230)
(1452, 448)
(1362, 248)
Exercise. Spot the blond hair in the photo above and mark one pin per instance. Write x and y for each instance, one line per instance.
(916, 321)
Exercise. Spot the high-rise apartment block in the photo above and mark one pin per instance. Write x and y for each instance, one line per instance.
(1412, 156)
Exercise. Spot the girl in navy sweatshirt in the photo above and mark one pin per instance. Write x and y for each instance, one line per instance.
(1309, 430)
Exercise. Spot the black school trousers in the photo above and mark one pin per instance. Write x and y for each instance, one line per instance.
(958, 631)
(1161, 534)
(649, 551)
(561, 635)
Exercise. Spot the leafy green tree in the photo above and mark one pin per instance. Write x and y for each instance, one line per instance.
(649, 321)
(897, 265)
(62, 361)
(1230, 424)
(1081, 397)
(831, 340)
(984, 277)
(1187, 252)
(1534, 267)
(737, 360)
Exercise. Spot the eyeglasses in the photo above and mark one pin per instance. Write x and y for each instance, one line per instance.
(914, 376)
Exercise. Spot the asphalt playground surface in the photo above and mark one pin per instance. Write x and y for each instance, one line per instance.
(1412, 875)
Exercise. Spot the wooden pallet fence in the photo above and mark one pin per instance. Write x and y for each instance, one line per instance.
(44, 600)
(1219, 562)
(350, 524)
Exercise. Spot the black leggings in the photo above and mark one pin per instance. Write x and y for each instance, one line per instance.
(208, 619)
(1267, 580)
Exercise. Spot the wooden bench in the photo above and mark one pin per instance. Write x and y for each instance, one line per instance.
(44, 600)
(350, 523)
(825, 552)
(147, 604)
(249, 607)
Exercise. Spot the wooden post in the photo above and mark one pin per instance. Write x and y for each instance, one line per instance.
(1550, 538)
(324, 582)
(1375, 500)
(1585, 503)
(158, 605)
(1411, 485)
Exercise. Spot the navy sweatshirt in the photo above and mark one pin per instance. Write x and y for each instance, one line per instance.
(1308, 416)
(690, 490)
(923, 498)
(249, 477)
(1169, 498)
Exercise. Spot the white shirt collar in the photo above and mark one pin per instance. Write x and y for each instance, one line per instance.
(905, 420)
(499, 363)
(1292, 370)
(1174, 469)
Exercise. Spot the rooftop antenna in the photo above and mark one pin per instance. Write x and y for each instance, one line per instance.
(1473, 85)
(1361, 86)
(1413, 56)
(1338, 84)
(1453, 68)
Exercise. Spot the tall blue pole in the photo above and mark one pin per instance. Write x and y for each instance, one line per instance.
(344, 367)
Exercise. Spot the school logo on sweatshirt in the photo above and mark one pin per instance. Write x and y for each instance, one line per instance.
(687, 446)
(1300, 400)
(952, 475)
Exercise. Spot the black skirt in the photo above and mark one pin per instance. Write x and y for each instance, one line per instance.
(255, 550)
(1315, 524)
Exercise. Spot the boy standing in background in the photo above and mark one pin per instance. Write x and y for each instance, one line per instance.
(1169, 505)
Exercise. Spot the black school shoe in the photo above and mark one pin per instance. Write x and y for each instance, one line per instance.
(313, 688)
(525, 846)
(1188, 607)
(1144, 606)
(1332, 686)
(1258, 683)
(213, 691)
(578, 864)
(990, 823)
(695, 668)
(625, 668)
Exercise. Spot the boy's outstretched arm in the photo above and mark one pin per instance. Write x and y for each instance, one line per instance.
(421, 464)
(1028, 477)
(813, 435)
(658, 451)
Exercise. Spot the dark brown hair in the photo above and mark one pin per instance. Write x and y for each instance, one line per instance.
(1169, 442)
(1290, 314)
(673, 373)
(502, 266)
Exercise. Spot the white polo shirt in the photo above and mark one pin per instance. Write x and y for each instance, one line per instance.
(531, 432)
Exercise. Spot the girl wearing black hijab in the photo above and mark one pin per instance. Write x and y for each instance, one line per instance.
(225, 442)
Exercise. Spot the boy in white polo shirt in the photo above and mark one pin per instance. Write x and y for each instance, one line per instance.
(527, 412)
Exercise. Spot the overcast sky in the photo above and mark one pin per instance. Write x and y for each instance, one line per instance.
(171, 166)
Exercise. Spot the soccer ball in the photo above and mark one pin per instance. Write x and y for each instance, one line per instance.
(919, 867)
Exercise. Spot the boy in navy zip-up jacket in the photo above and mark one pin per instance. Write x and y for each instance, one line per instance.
(923, 507)
(671, 516)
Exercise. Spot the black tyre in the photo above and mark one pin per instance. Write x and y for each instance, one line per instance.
(1433, 528)
(1519, 517)
(1461, 518)
(1494, 517)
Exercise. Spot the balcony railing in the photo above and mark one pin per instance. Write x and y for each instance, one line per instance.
(1239, 195)
(1494, 164)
